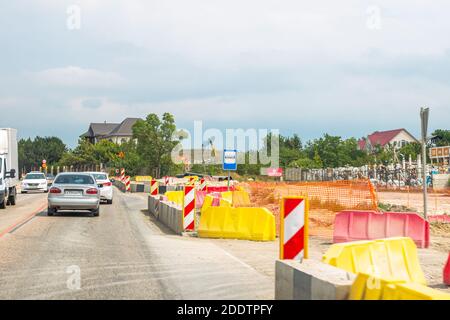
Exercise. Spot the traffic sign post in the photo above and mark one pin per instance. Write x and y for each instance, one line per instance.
(424, 114)
(229, 163)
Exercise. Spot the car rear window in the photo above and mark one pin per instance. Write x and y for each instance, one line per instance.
(100, 176)
(34, 176)
(74, 179)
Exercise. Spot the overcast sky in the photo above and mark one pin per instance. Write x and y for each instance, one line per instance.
(308, 67)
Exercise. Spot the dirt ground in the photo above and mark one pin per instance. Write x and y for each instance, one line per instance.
(438, 203)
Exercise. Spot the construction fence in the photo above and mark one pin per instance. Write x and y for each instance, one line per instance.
(326, 199)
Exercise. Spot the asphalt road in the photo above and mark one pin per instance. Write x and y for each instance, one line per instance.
(120, 255)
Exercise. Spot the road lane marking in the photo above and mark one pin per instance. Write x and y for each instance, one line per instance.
(21, 222)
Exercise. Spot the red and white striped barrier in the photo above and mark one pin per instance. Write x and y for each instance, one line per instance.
(294, 228)
(202, 185)
(166, 180)
(122, 175)
(127, 184)
(154, 188)
(189, 208)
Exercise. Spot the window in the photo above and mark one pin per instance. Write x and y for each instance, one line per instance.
(35, 176)
(74, 179)
(100, 176)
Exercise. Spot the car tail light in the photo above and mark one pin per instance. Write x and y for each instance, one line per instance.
(55, 190)
(107, 184)
(92, 191)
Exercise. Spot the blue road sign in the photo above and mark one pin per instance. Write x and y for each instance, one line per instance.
(230, 160)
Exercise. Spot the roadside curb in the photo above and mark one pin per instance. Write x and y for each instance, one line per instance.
(22, 221)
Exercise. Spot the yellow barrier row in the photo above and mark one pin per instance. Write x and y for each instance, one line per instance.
(256, 224)
(143, 178)
(175, 196)
(395, 259)
(368, 287)
(241, 199)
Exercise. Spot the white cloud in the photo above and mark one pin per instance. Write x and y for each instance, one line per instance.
(73, 76)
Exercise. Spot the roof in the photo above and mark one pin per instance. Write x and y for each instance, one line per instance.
(381, 138)
(99, 129)
(104, 129)
(125, 128)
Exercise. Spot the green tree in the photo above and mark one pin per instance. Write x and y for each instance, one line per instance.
(155, 142)
(444, 137)
(33, 151)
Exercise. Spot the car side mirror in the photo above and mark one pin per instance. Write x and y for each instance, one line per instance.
(11, 174)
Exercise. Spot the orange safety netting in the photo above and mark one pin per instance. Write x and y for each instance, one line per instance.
(325, 198)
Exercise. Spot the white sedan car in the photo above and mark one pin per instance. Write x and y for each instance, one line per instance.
(104, 185)
(34, 181)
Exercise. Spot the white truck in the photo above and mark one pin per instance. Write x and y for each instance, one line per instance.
(9, 166)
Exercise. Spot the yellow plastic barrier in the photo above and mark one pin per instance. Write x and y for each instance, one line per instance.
(256, 224)
(241, 199)
(394, 258)
(413, 291)
(225, 203)
(368, 287)
(175, 196)
(207, 203)
(143, 178)
(228, 196)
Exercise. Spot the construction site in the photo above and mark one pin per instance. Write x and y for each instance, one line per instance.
(393, 243)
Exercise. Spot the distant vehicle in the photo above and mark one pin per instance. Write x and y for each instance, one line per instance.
(50, 179)
(105, 186)
(34, 181)
(9, 165)
(74, 191)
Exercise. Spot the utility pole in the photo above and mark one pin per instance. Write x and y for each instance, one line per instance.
(424, 113)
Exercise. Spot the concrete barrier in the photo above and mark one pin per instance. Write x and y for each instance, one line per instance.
(171, 216)
(394, 258)
(311, 280)
(137, 187)
(153, 205)
(120, 185)
(370, 225)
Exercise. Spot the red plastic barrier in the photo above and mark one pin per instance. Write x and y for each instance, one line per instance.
(211, 189)
(439, 218)
(369, 225)
(447, 271)
(199, 198)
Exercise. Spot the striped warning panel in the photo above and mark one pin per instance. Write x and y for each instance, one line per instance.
(154, 187)
(128, 184)
(189, 208)
(294, 228)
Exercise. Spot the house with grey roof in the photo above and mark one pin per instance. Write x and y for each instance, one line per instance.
(115, 132)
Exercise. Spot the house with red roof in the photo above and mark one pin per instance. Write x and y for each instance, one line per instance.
(392, 138)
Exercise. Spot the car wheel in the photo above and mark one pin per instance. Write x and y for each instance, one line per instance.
(45, 191)
(23, 192)
(3, 204)
(51, 211)
(96, 212)
(109, 201)
(12, 200)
